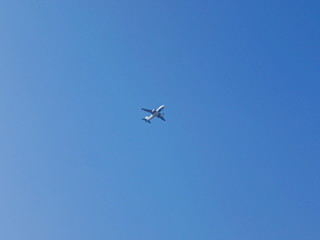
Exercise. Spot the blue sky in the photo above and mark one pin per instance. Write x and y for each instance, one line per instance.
(237, 158)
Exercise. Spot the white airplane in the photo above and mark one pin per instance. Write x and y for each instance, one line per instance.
(154, 113)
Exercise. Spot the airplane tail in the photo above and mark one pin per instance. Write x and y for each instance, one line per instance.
(148, 121)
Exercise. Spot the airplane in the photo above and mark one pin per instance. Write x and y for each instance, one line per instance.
(154, 113)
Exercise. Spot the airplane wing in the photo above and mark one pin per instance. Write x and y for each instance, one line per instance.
(162, 118)
(147, 110)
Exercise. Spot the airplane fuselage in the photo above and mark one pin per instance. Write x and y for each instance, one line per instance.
(160, 108)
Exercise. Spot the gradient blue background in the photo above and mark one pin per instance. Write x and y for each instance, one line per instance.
(238, 157)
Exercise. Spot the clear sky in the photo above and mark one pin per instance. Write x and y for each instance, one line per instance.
(237, 158)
